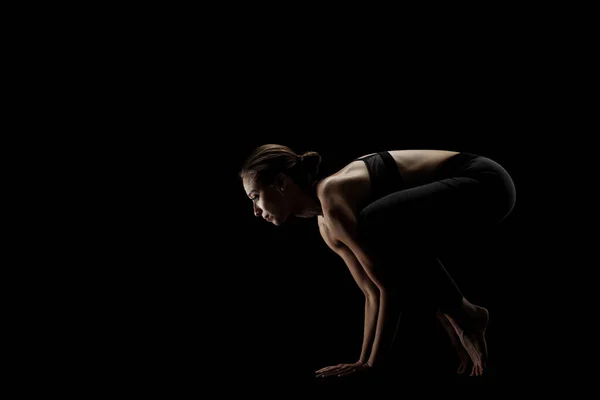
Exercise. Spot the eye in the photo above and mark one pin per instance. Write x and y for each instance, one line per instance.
(254, 198)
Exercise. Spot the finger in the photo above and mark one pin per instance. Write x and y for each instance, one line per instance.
(334, 371)
(347, 372)
(328, 372)
(461, 368)
(327, 368)
(345, 369)
(475, 371)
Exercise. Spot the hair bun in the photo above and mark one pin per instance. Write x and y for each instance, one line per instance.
(311, 161)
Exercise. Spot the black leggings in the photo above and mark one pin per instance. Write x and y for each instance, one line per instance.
(404, 230)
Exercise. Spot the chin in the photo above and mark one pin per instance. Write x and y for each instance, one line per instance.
(277, 221)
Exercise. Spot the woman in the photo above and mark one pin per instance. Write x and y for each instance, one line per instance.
(386, 215)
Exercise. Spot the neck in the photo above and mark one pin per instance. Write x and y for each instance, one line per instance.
(309, 204)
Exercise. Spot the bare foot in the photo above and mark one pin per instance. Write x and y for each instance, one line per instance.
(463, 356)
(470, 323)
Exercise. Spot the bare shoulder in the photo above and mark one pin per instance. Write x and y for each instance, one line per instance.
(333, 195)
(332, 191)
(337, 205)
(339, 227)
(327, 235)
(350, 187)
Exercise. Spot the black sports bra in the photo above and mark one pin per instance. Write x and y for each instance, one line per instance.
(384, 174)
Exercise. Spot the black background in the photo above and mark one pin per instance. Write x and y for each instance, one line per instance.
(197, 287)
(184, 287)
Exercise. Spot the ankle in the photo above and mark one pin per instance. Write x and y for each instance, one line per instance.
(468, 308)
(457, 308)
(460, 312)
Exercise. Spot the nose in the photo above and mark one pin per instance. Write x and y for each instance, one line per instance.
(257, 211)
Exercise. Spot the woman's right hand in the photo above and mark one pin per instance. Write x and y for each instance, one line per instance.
(342, 369)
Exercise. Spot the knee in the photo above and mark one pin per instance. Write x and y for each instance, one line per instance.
(365, 228)
(377, 232)
(362, 226)
(371, 231)
(371, 219)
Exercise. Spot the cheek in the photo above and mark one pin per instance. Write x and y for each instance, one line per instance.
(267, 204)
(274, 205)
(283, 206)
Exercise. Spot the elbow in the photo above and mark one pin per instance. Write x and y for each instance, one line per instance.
(376, 292)
(372, 294)
(385, 293)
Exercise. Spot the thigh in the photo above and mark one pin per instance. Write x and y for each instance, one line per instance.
(429, 212)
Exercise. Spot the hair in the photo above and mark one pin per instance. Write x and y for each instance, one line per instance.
(266, 161)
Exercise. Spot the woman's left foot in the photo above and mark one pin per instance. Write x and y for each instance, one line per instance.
(471, 332)
(462, 354)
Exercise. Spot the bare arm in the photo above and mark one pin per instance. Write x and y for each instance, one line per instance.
(342, 222)
(370, 291)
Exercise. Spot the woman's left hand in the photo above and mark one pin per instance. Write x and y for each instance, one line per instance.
(343, 369)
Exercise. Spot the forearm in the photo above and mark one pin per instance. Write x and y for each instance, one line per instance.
(371, 312)
(385, 330)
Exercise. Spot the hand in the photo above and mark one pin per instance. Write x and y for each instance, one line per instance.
(343, 369)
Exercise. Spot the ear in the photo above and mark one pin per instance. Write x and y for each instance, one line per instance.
(281, 182)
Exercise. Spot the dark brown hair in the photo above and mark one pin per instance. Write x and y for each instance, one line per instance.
(266, 161)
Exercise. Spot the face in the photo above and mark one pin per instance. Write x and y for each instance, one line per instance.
(269, 202)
